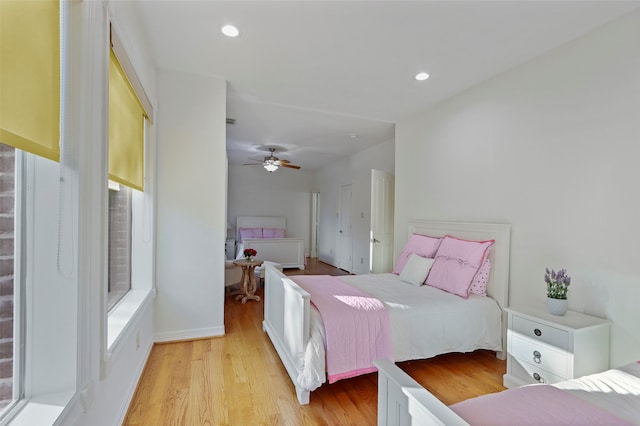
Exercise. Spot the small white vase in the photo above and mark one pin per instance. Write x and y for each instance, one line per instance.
(557, 306)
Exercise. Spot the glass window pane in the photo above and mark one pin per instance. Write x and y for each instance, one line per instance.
(7, 267)
(119, 243)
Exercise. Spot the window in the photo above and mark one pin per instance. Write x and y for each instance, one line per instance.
(126, 171)
(119, 279)
(38, 279)
(54, 227)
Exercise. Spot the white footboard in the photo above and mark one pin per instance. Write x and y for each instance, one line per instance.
(402, 401)
(289, 252)
(286, 321)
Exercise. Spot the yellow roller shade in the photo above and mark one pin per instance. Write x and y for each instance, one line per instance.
(30, 76)
(126, 129)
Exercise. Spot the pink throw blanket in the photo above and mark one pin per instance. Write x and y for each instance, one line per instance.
(357, 327)
(533, 405)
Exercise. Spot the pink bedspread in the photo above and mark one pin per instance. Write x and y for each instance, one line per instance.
(357, 328)
(533, 405)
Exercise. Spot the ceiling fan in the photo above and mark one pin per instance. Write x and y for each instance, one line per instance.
(271, 163)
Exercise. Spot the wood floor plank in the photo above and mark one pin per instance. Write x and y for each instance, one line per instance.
(239, 379)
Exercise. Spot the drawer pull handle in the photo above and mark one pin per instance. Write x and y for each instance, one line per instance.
(537, 332)
(537, 357)
(538, 377)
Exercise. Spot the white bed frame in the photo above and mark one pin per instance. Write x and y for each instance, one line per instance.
(288, 252)
(287, 306)
(403, 401)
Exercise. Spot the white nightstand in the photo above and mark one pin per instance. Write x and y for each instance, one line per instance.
(545, 348)
(230, 249)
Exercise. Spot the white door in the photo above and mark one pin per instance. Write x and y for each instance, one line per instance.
(345, 244)
(381, 232)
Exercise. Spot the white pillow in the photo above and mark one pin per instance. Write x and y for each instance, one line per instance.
(416, 269)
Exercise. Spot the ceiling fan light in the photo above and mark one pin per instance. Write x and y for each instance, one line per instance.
(270, 167)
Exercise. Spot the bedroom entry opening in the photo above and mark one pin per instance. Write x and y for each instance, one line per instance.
(345, 243)
(315, 217)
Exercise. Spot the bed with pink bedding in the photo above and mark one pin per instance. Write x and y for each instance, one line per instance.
(267, 235)
(318, 341)
(608, 398)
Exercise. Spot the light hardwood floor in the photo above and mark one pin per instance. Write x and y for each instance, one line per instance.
(238, 379)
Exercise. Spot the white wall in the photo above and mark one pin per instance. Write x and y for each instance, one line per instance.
(354, 170)
(190, 206)
(551, 147)
(286, 192)
(111, 396)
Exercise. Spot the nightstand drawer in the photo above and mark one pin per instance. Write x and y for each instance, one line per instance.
(540, 332)
(547, 348)
(539, 354)
(535, 374)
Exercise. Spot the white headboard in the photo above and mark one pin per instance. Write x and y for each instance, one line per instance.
(259, 222)
(498, 286)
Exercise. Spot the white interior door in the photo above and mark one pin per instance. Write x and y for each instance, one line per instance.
(345, 243)
(381, 232)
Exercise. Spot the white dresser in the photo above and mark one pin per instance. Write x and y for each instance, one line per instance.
(545, 348)
(230, 249)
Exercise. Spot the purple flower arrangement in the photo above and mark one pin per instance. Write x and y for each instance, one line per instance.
(557, 283)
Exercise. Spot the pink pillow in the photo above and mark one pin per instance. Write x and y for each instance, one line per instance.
(480, 281)
(272, 232)
(457, 262)
(421, 245)
(250, 233)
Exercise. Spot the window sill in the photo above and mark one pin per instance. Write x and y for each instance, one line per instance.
(125, 313)
(42, 410)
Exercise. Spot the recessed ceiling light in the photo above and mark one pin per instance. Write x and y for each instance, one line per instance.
(353, 135)
(230, 31)
(422, 76)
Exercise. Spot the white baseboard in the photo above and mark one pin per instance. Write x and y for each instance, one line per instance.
(198, 333)
(328, 260)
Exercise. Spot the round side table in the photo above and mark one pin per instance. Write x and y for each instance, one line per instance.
(248, 279)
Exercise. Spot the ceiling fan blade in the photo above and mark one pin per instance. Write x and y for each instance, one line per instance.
(272, 160)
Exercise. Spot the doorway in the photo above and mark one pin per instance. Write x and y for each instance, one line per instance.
(345, 243)
(315, 218)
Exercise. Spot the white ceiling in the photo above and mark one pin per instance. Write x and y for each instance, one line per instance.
(305, 75)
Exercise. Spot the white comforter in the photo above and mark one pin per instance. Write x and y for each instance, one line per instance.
(616, 391)
(425, 322)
